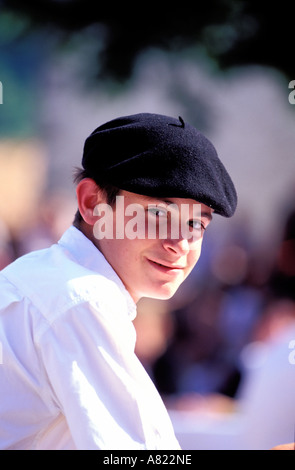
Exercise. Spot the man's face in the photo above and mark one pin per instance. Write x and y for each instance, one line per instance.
(152, 244)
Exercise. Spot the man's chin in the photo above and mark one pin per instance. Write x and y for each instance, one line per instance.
(165, 293)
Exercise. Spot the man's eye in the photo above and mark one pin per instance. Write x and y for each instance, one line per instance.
(157, 212)
(196, 225)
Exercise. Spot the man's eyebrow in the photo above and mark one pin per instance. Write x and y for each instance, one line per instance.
(154, 200)
(207, 215)
(204, 214)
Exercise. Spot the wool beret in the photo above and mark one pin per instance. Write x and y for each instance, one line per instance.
(159, 156)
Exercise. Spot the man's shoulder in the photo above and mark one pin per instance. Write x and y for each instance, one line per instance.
(52, 279)
(64, 276)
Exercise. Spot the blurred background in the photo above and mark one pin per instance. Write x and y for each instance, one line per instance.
(219, 351)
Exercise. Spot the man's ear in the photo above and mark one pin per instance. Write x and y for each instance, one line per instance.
(88, 196)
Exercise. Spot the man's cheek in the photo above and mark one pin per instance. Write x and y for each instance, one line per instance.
(194, 253)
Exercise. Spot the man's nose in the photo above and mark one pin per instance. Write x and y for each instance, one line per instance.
(179, 246)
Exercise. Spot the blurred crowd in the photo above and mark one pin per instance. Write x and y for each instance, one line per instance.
(51, 218)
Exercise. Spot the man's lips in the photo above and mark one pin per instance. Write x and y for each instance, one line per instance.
(166, 266)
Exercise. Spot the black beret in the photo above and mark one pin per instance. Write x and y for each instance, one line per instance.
(159, 156)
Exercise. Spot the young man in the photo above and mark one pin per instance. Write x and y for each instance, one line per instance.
(69, 377)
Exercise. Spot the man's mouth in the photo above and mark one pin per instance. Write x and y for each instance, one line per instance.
(166, 266)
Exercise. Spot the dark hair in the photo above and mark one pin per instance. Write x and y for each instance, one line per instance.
(110, 191)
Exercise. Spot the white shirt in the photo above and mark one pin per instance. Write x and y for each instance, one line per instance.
(69, 377)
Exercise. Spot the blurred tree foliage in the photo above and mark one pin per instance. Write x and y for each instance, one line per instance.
(19, 62)
(232, 32)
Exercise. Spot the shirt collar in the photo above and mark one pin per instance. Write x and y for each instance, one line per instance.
(89, 256)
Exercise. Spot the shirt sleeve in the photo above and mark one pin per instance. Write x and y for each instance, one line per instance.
(99, 384)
